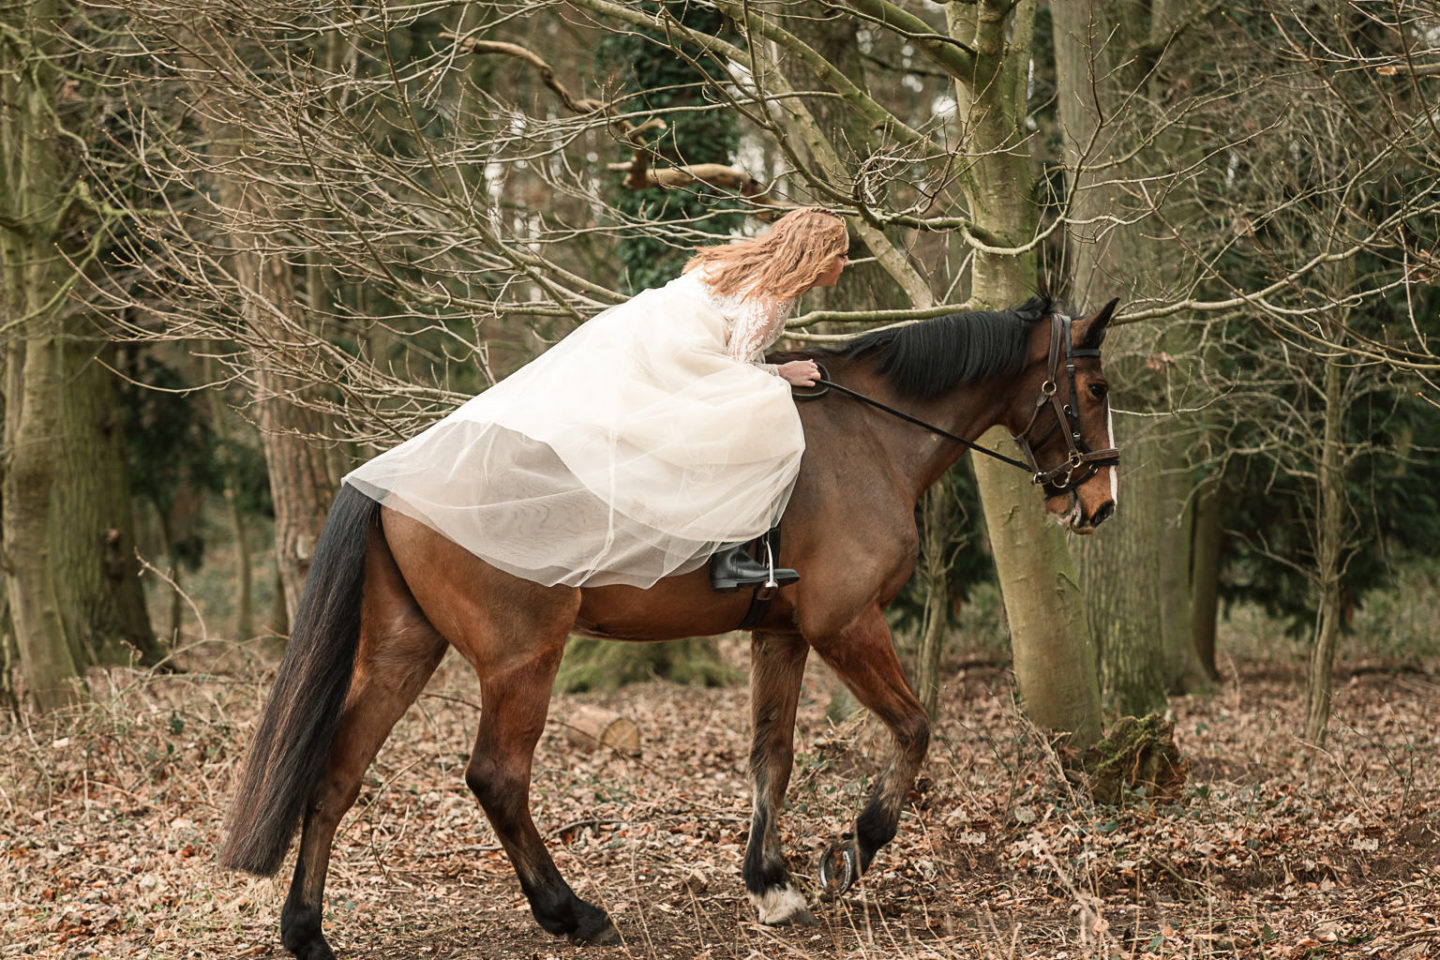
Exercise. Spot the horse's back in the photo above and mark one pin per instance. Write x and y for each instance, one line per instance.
(848, 530)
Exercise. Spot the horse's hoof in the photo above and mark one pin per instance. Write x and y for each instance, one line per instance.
(603, 936)
(593, 926)
(312, 950)
(300, 932)
(781, 906)
(839, 867)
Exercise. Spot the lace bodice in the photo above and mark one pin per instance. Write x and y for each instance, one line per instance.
(751, 326)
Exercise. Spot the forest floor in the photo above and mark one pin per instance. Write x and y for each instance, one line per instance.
(1278, 848)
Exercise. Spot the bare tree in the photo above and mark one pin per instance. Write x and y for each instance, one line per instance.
(439, 177)
(1311, 374)
(1118, 66)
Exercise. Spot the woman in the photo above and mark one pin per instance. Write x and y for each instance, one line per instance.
(644, 442)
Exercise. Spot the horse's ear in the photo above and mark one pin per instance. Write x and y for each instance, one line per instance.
(1095, 326)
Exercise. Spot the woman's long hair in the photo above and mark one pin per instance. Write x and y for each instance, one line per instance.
(780, 265)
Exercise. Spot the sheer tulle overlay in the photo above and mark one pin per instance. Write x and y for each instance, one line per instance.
(629, 451)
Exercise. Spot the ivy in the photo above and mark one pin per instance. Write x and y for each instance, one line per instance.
(656, 78)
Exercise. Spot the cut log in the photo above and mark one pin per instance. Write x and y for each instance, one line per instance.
(594, 728)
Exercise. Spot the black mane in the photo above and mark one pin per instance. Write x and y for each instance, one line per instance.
(924, 359)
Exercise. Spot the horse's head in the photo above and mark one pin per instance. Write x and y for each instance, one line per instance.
(1061, 419)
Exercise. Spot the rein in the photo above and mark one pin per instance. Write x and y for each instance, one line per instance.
(1058, 480)
(832, 385)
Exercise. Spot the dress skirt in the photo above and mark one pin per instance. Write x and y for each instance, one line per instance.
(630, 451)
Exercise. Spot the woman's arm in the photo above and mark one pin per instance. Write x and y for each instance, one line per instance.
(754, 328)
(752, 331)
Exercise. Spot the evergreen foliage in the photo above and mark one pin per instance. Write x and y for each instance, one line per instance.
(658, 79)
(173, 447)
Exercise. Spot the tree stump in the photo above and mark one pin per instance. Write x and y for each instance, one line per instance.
(592, 728)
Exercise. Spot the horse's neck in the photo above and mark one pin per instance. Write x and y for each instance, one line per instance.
(920, 456)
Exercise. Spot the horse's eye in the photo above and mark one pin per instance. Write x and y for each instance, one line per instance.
(1097, 390)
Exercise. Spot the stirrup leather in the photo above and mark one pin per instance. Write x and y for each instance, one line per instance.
(768, 588)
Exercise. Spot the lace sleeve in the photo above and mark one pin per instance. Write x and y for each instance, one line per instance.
(756, 327)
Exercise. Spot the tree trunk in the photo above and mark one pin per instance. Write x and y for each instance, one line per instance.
(1142, 624)
(244, 575)
(9, 661)
(1054, 656)
(837, 40)
(53, 672)
(71, 507)
(594, 728)
(279, 626)
(9, 655)
(71, 577)
(1329, 520)
(301, 482)
(302, 478)
(1209, 535)
(167, 548)
(1125, 607)
(1183, 671)
(304, 475)
(933, 573)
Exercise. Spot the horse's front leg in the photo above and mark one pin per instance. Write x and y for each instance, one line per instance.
(777, 664)
(864, 658)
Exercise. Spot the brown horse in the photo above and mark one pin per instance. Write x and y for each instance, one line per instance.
(386, 595)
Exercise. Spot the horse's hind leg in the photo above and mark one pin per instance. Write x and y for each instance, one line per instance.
(864, 658)
(398, 651)
(514, 706)
(513, 633)
(777, 666)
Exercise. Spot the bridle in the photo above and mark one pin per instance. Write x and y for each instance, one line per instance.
(1080, 463)
(1079, 456)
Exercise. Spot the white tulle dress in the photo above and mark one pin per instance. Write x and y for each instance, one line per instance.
(631, 450)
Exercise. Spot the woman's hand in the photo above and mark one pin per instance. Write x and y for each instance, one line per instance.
(800, 373)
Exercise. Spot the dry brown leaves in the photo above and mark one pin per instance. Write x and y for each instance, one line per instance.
(1278, 850)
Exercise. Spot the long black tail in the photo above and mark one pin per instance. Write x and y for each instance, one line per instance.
(300, 721)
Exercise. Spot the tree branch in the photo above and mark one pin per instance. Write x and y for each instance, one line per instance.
(954, 57)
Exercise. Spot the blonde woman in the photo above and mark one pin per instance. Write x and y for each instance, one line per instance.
(649, 441)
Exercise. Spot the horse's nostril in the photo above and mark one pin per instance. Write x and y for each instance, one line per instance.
(1103, 513)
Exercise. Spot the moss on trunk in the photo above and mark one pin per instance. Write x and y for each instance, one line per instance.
(70, 570)
(1137, 759)
(1054, 658)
